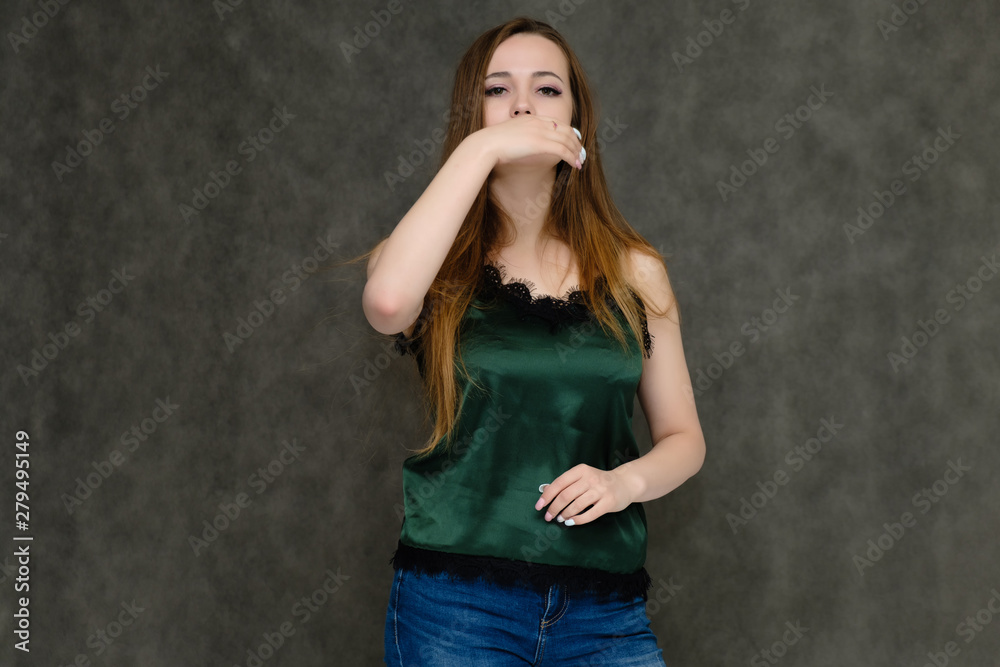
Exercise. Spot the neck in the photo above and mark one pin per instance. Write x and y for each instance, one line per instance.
(525, 195)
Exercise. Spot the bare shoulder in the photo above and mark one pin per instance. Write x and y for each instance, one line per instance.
(649, 276)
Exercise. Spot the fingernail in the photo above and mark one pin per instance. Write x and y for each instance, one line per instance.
(583, 154)
(578, 135)
(560, 519)
(540, 504)
(548, 517)
(542, 487)
(578, 165)
(570, 523)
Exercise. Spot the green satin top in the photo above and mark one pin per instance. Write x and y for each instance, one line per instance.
(556, 392)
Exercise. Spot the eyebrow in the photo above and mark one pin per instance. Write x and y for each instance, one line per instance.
(535, 75)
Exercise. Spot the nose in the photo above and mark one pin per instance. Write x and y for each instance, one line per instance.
(520, 107)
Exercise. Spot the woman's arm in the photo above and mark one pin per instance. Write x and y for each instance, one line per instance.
(401, 271)
(667, 399)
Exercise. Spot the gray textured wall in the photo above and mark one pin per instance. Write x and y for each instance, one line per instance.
(108, 356)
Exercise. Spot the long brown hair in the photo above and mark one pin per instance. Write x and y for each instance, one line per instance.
(581, 213)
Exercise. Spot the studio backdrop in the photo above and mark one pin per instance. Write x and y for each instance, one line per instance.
(202, 436)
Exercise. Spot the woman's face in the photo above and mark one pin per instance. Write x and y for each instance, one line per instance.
(527, 74)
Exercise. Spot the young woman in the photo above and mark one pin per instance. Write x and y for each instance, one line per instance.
(524, 538)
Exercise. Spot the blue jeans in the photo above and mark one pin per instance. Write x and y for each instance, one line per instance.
(435, 622)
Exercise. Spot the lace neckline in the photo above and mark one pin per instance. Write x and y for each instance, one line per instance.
(525, 289)
(556, 310)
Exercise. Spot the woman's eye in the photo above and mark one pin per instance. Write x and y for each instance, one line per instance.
(547, 91)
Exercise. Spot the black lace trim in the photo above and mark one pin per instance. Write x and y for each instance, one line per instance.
(555, 310)
(535, 576)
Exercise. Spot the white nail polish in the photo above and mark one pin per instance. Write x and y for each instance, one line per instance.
(570, 522)
(583, 155)
(578, 135)
(542, 487)
(559, 518)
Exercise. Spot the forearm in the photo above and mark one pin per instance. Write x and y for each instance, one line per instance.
(670, 463)
(417, 247)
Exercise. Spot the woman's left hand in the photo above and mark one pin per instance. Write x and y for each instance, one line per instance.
(582, 486)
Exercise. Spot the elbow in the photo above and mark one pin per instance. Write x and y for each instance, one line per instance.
(697, 450)
(383, 309)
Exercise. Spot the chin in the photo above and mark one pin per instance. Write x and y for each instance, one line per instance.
(527, 166)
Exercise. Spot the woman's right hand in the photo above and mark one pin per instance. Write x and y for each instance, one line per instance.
(532, 141)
